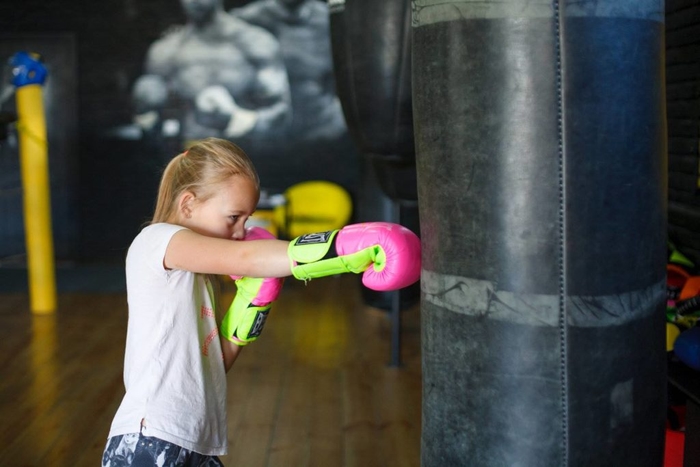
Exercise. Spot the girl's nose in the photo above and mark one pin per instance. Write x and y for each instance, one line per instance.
(238, 233)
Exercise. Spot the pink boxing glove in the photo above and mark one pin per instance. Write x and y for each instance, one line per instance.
(387, 254)
(245, 318)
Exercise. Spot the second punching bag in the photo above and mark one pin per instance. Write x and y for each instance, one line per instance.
(540, 139)
(372, 65)
(371, 42)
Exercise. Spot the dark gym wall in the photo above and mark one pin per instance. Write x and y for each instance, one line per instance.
(683, 97)
(116, 177)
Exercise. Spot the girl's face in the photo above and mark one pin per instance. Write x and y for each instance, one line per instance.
(224, 214)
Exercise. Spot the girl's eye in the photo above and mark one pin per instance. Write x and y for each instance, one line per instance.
(234, 219)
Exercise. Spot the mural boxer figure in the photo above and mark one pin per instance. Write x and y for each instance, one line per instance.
(228, 77)
(302, 28)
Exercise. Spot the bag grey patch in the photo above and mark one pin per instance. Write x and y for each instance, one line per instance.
(336, 6)
(622, 405)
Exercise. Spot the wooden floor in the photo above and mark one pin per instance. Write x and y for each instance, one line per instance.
(315, 390)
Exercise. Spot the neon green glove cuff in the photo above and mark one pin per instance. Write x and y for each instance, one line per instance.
(314, 255)
(244, 322)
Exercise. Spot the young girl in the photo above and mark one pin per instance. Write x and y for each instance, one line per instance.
(174, 409)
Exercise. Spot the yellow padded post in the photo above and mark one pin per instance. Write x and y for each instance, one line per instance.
(36, 193)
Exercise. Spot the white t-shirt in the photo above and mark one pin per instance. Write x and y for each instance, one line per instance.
(174, 366)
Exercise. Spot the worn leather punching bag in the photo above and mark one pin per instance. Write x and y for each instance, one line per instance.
(540, 145)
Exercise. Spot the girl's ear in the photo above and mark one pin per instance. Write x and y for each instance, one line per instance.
(185, 204)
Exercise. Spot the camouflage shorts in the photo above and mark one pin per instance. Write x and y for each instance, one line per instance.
(135, 450)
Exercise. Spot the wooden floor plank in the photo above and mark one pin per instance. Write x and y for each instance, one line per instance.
(315, 390)
(290, 437)
(253, 395)
(53, 411)
(360, 428)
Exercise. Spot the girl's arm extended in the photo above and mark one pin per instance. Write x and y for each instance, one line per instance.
(193, 252)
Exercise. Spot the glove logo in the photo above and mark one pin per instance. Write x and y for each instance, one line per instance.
(314, 238)
(258, 324)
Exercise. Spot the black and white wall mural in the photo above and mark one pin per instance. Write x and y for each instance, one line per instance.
(259, 74)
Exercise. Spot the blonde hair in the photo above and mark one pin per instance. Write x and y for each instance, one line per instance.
(200, 169)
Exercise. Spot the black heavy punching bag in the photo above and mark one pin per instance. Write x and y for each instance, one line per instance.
(370, 42)
(540, 139)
